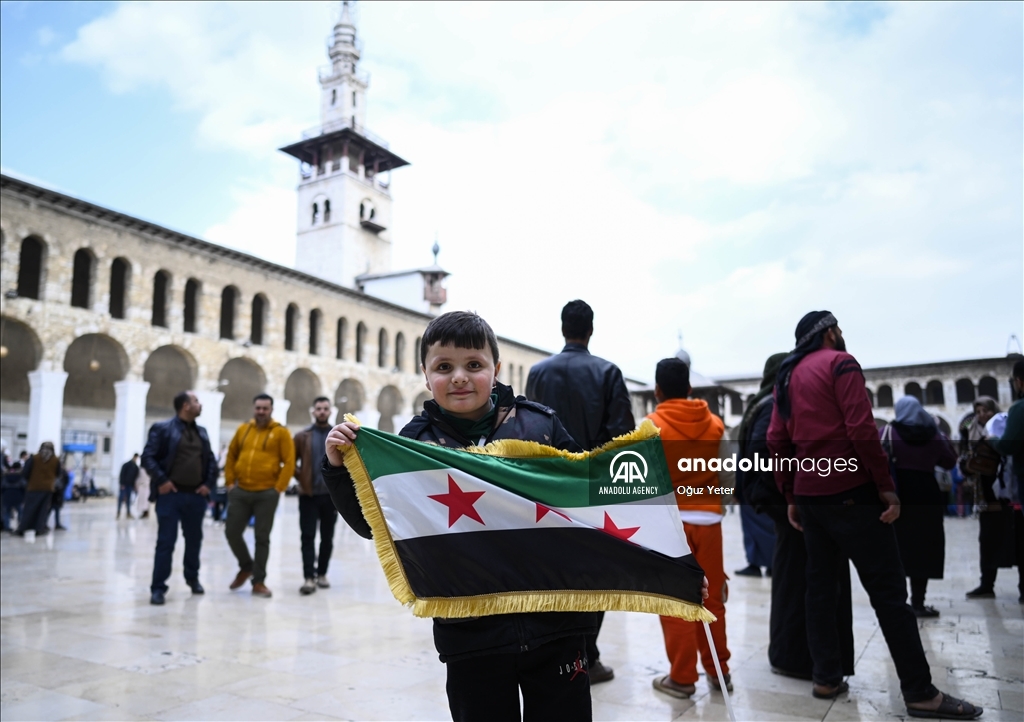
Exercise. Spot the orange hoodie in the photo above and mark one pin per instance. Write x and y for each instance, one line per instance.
(690, 421)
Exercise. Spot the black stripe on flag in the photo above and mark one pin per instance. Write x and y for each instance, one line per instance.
(543, 560)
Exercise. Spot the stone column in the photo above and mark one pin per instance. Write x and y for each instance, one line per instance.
(280, 414)
(210, 418)
(45, 408)
(129, 423)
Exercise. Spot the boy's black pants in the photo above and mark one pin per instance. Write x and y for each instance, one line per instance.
(554, 679)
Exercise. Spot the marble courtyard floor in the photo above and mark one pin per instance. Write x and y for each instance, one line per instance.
(81, 641)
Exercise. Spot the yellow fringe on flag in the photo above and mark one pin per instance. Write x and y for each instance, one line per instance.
(509, 602)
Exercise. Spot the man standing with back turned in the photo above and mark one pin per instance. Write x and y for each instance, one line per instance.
(259, 466)
(842, 497)
(590, 398)
(182, 469)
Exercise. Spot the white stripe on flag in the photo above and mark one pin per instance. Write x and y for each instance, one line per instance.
(410, 512)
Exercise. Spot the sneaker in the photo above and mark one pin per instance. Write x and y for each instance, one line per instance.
(241, 578)
(981, 593)
(323, 583)
(308, 586)
(260, 590)
(713, 681)
(749, 571)
(600, 673)
(666, 685)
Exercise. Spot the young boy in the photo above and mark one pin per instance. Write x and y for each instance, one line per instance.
(490, 659)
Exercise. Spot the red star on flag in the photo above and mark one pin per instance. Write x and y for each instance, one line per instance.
(610, 528)
(459, 502)
(542, 511)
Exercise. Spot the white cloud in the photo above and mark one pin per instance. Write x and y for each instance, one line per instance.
(262, 223)
(715, 168)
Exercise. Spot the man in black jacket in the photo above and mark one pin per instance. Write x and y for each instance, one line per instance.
(590, 398)
(489, 658)
(182, 469)
(129, 474)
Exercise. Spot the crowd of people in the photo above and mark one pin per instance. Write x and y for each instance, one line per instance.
(881, 509)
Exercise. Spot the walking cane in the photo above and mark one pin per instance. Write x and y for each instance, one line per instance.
(718, 670)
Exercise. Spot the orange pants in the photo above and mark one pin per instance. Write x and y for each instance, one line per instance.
(683, 639)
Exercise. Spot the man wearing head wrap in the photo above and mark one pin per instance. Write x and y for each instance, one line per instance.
(915, 447)
(41, 471)
(842, 497)
(758, 535)
(788, 652)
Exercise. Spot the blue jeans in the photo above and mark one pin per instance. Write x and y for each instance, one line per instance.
(125, 497)
(758, 536)
(172, 509)
(13, 499)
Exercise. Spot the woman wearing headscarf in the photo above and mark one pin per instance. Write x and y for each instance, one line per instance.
(788, 652)
(915, 447)
(41, 472)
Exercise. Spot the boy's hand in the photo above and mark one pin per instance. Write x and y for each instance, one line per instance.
(341, 435)
(704, 593)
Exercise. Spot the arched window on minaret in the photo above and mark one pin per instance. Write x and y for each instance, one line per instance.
(334, 96)
(316, 213)
(327, 211)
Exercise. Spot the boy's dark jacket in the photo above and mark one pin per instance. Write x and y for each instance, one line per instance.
(456, 639)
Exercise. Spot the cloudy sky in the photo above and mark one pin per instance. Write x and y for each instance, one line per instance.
(714, 170)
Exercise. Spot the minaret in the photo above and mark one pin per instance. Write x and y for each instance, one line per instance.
(344, 201)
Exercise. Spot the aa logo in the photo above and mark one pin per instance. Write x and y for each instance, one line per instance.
(624, 468)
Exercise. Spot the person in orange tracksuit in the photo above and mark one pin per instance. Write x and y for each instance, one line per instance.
(690, 431)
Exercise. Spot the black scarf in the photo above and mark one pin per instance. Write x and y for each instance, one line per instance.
(810, 333)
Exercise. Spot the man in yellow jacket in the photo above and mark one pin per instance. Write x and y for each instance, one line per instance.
(260, 463)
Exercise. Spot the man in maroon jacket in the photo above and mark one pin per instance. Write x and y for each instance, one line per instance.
(829, 463)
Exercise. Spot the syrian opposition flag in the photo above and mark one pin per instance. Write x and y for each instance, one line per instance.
(520, 527)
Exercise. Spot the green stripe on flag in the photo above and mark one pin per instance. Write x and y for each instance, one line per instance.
(631, 473)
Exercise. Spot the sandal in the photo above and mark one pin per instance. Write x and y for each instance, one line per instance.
(833, 692)
(949, 708)
(673, 689)
(713, 681)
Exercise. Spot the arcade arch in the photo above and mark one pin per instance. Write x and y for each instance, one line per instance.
(301, 388)
(389, 404)
(240, 379)
(169, 370)
(94, 362)
(349, 398)
(21, 351)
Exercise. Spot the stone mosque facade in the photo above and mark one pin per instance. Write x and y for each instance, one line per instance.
(105, 317)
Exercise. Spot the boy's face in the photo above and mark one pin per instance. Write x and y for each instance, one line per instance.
(461, 379)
